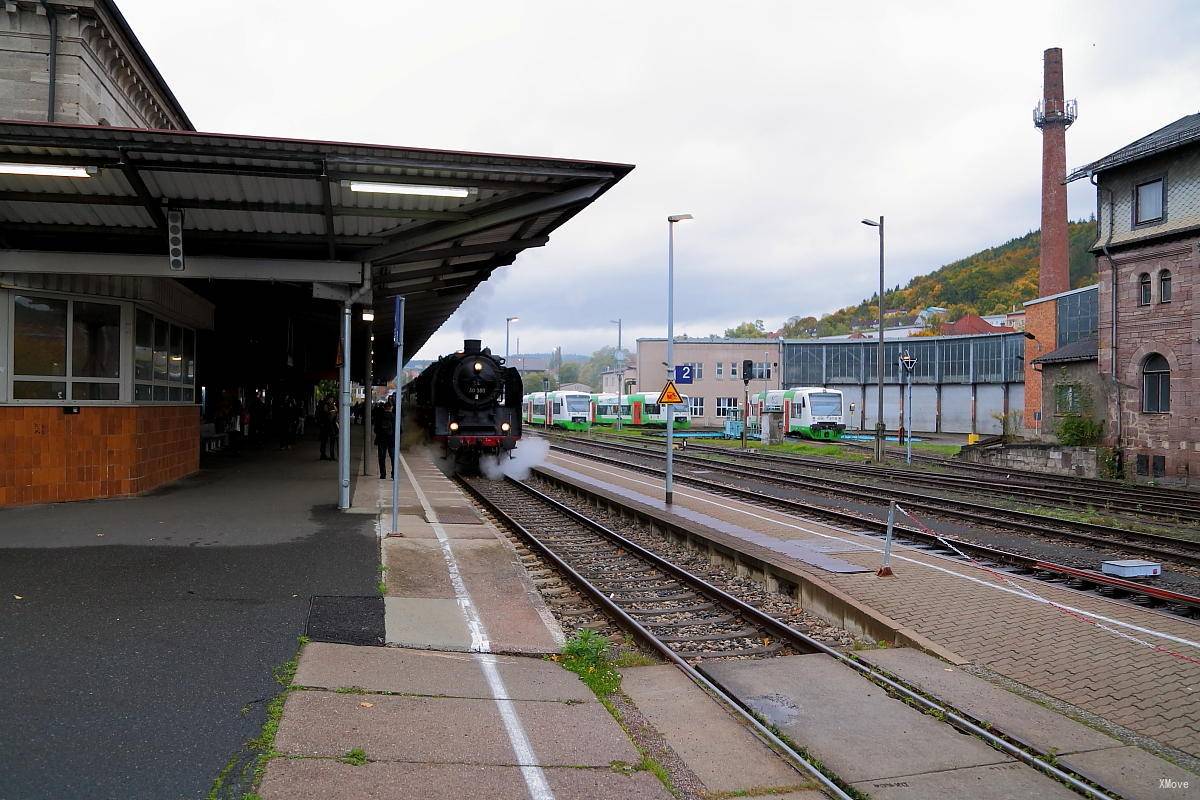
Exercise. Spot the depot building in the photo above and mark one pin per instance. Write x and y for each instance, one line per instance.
(152, 276)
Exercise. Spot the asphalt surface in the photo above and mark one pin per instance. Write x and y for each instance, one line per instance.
(138, 660)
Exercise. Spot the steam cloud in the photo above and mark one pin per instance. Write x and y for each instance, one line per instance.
(529, 453)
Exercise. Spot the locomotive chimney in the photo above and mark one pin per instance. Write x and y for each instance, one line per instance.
(1053, 116)
(472, 345)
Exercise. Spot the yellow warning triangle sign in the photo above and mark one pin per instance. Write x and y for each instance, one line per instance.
(669, 394)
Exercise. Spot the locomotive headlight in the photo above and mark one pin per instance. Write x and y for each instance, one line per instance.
(453, 426)
(504, 426)
(479, 366)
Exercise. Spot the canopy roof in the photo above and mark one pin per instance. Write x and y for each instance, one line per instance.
(283, 209)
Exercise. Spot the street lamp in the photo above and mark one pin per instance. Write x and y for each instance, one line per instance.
(620, 369)
(908, 363)
(879, 354)
(508, 321)
(671, 220)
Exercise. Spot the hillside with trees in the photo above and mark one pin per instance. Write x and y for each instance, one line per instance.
(992, 281)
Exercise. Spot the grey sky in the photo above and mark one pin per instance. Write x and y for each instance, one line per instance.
(778, 125)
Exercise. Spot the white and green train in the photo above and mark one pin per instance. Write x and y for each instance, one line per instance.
(570, 410)
(638, 410)
(811, 412)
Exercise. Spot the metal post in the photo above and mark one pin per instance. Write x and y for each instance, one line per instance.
(344, 415)
(745, 410)
(398, 340)
(620, 373)
(909, 413)
(886, 568)
(879, 428)
(667, 487)
(367, 403)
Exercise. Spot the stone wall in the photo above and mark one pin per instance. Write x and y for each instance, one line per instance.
(1092, 387)
(1049, 458)
(1171, 329)
(47, 455)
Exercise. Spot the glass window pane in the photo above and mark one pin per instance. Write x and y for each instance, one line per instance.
(189, 356)
(143, 347)
(188, 394)
(1164, 288)
(95, 340)
(1149, 201)
(160, 393)
(40, 336)
(143, 392)
(161, 334)
(175, 394)
(95, 391)
(175, 365)
(39, 390)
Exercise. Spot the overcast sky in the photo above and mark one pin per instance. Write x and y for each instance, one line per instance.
(778, 125)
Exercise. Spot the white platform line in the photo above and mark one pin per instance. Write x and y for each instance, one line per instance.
(1006, 589)
(535, 778)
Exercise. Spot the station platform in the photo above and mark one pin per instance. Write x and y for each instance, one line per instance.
(1131, 671)
(462, 702)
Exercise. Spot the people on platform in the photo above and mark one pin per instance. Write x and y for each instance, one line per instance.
(383, 420)
(327, 428)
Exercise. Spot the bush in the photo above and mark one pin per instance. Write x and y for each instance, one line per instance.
(586, 654)
(1078, 431)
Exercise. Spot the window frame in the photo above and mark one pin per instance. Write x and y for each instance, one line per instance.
(722, 408)
(1162, 217)
(696, 405)
(1145, 290)
(1073, 394)
(170, 387)
(1164, 282)
(1159, 376)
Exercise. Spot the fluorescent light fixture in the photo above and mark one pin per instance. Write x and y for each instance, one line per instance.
(408, 188)
(47, 170)
(368, 315)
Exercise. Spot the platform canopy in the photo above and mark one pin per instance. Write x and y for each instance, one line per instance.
(426, 224)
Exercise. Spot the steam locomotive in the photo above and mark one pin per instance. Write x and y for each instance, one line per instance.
(469, 402)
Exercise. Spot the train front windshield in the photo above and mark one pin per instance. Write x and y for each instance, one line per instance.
(825, 404)
(579, 405)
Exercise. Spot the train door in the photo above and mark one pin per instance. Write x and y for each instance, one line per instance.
(637, 412)
(787, 416)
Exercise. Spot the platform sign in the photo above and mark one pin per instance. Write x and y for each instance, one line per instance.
(669, 395)
(683, 373)
(398, 323)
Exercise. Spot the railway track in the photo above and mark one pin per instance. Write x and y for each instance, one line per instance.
(1148, 544)
(686, 619)
(1141, 594)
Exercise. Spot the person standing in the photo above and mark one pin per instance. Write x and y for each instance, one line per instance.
(327, 424)
(384, 422)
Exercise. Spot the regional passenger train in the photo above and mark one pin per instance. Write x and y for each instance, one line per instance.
(580, 410)
(811, 412)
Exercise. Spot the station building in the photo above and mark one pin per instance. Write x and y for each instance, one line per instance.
(152, 276)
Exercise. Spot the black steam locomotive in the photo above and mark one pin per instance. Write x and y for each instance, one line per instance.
(468, 401)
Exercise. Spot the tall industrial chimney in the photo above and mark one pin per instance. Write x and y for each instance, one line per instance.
(1053, 116)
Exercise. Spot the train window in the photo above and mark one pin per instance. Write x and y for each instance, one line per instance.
(558, 407)
(652, 408)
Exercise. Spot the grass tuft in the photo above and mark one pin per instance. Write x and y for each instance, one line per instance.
(355, 757)
(586, 654)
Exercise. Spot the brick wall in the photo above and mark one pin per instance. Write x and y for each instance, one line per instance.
(47, 456)
(1171, 329)
(1041, 319)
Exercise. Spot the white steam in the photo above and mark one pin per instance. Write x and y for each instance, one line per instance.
(529, 453)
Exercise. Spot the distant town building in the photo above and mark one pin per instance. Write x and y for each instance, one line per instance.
(611, 379)
(972, 323)
(1055, 322)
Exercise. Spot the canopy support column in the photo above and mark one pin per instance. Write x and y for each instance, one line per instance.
(344, 414)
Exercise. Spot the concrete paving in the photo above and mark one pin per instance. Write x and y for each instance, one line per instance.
(425, 622)
(721, 750)
(862, 734)
(1136, 774)
(313, 779)
(138, 659)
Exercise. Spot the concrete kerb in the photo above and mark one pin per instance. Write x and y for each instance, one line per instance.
(814, 595)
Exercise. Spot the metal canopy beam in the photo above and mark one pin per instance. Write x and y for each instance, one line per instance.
(465, 250)
(153, 207)
(197, 267)
(506, 216)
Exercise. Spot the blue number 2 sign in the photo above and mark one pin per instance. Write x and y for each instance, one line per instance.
(683, 373)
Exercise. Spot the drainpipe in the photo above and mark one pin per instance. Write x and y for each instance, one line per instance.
(1112, 346)
(53, 57)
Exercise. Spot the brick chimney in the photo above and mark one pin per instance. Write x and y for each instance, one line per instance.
(1053, 116)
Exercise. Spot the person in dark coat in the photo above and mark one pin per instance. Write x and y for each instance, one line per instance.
(327, 428)
(384, 422)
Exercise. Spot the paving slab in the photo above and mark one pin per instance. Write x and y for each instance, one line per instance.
(426, 672)
(321, 779)
(1136, 774)
(418, 528)
(425, 622)
(448, 730)
(1009, 781)
(846, 721)
(1009, 712)
(416, 568)
(723, 752)
(510, 608)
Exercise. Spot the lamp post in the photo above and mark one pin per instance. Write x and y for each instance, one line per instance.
(368, 316)
(671, 220)
(908, 362)
(879, 354)
(508, 321)
(620, 369)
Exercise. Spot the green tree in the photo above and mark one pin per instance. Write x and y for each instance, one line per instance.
(533, 381)
(569, 372)
(602, 359)
(747, 330)
(799, 328)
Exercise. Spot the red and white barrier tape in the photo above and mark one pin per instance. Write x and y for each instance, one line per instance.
(1026, 591)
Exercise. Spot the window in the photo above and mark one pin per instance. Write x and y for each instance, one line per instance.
(1164, 286)
(66, 350)
(733, 366)
(651, 409)
(762, 370)
(726, 406)
(696, 408)
(720, 366)
(1156, 385)
(164, 361)
(697, 370)
(1068, 398)
(1078, 316)
(1144, 289)
(1148, 202)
